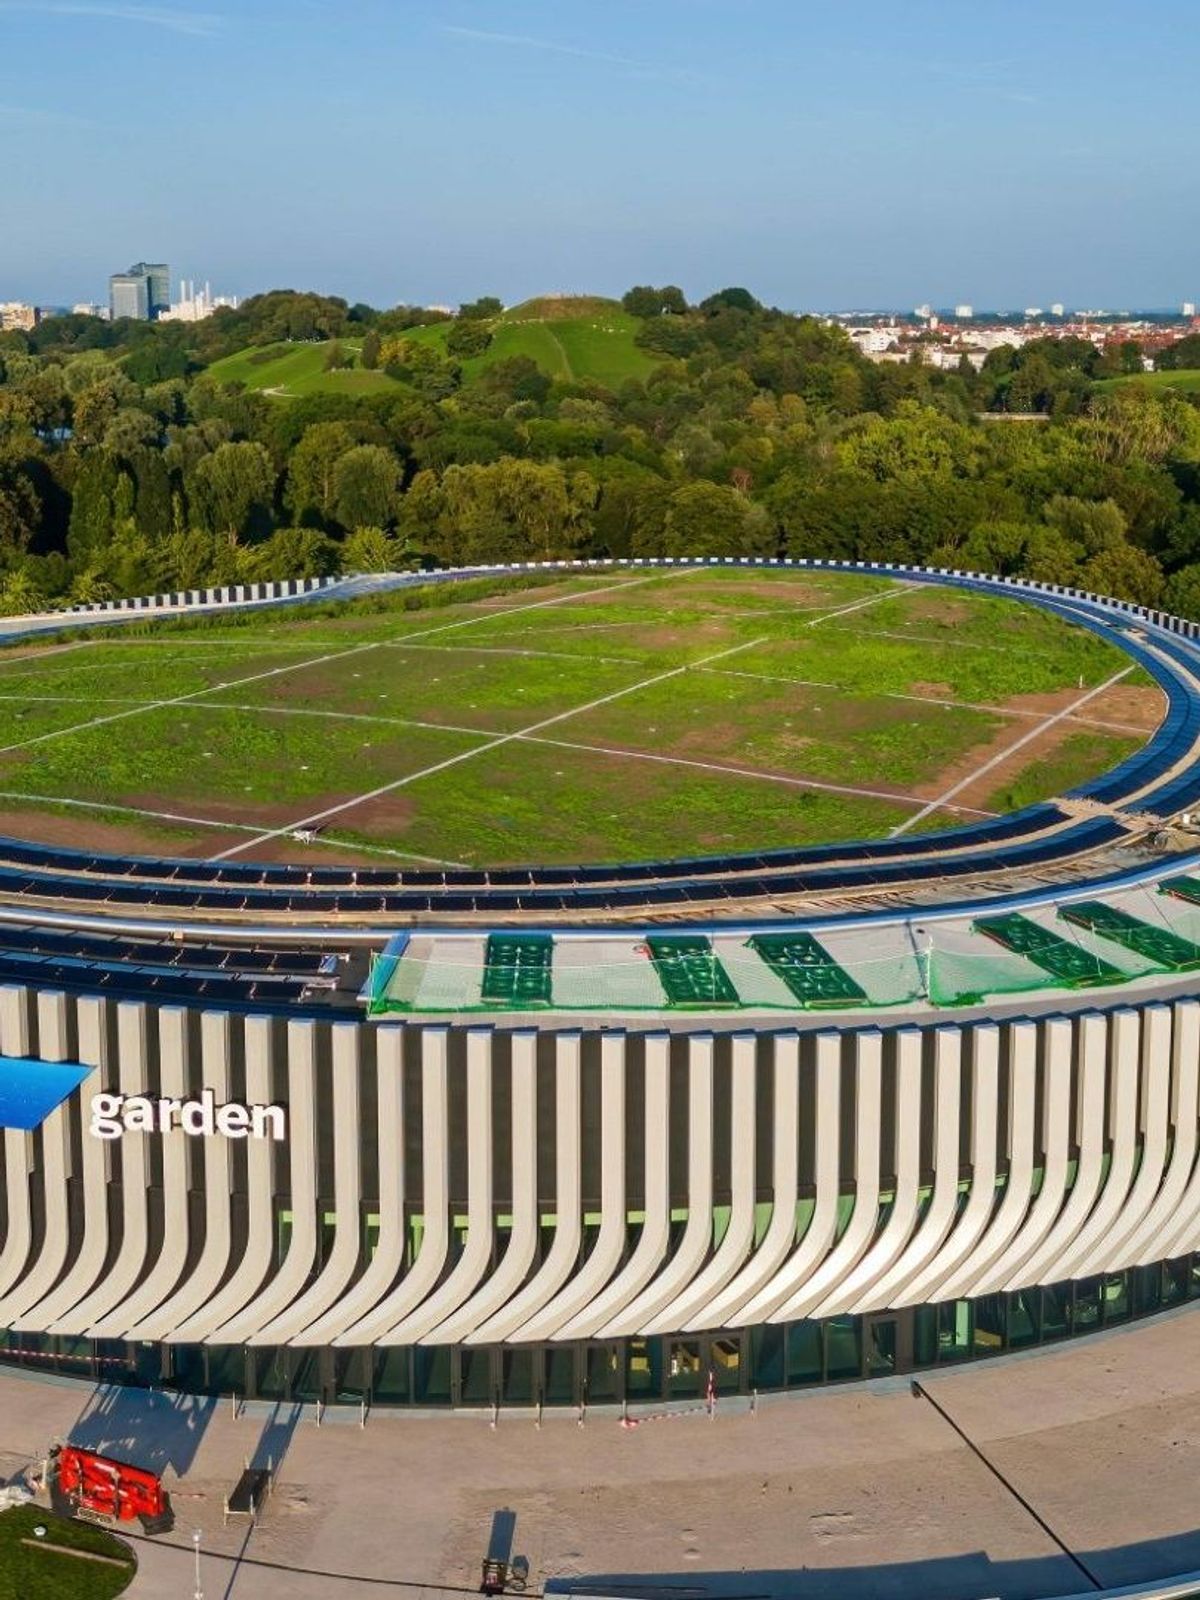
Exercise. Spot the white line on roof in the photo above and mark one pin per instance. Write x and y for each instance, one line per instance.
(276, 672)
(212, 822)
(1010, 750)
(508, 738)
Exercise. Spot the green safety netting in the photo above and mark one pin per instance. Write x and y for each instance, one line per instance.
(1067, 962)
(1167, 949)
(691, 975)
(952, 962)
(517, 969)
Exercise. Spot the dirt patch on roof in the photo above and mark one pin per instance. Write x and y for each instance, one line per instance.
(1136, 705)
(82, 830)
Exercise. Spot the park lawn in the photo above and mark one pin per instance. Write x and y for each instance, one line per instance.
(299, 369)
(778, 686)
(100, 681)
(1077, 758)
(1187, 380)
(598, 347)
(231, 765)
(527, 802)
(40, 1572)
(453, 686)
(859, 741)
(875, 656)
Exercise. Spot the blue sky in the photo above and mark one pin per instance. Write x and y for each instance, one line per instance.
(825, 153)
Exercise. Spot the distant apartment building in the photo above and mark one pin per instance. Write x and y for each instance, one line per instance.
(17, 317)
(196, 306)
(141, 294)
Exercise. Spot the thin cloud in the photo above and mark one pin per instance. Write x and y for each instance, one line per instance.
(196, 24)
(523, 41)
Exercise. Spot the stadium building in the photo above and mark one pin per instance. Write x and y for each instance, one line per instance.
(616, 1134)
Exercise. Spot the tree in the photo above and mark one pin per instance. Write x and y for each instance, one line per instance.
(366, 487)
(310, 489)
(643, 301)
(337, 357)
(708, 519)
(20, 513)
(512, 511)
(1125, 572)
(369, 550)
(1181, 593)
(290, 553)
(481, 310)
(467, 339)
(736, 299)
(20, 595)
(369, 356)
(233, 490)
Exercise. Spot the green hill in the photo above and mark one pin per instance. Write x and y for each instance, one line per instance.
(1187, 381)
(582, 337)
(287, 371)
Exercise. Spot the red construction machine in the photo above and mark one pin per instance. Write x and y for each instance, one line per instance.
(98, 1488)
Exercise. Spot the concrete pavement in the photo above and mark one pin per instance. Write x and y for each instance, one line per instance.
(863, 1491)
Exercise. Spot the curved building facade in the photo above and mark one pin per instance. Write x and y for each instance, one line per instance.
(247, 1182)
(469, 1214)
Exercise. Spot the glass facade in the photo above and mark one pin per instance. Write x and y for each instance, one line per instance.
(634, 1371)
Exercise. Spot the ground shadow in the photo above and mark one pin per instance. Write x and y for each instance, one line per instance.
(276, 1438)
(145, 1427)
(973, 1575)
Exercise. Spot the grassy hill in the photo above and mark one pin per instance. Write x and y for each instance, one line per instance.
(1187, 380)
(583, 337)
(290, 370)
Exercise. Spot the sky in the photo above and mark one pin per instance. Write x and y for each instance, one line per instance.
(824, 153)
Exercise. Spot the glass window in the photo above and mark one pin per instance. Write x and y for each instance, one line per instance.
(954, 1330)
(306, 1375)
(227, 1368)
(843, 1348)
(188, 1370)
(1194, 1285)
(270, 1374)
(604, 1363)
(988, 1333)
(1087, 1305)
(390, 1384)
(1115, 1298)
(643, 1369)
(1146, 1288)
(350, 1372)
(475, 1376)
(686, 1376)
(767, 1347)
(925, 1335)
(1175, 1276)
(558, 1375)
(517, 1377)
(804, 1360)
(881, 1347)
(1024, 1318)
(431, 1374)
(725, 1359)
(1056, 1310)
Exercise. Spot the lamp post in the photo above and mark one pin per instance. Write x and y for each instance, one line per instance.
(197, 1591)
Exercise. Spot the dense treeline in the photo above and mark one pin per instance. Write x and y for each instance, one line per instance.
(125, 466)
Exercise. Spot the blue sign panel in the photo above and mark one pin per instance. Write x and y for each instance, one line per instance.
(30, 1089)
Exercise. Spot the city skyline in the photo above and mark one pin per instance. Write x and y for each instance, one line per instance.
(1007, 155)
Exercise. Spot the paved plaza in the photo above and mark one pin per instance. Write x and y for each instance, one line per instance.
(865, 1491)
